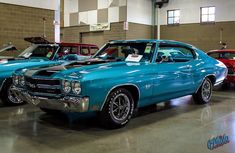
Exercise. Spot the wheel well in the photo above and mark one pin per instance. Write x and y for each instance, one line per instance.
(134, 92)
(4, 83)
(212, 79)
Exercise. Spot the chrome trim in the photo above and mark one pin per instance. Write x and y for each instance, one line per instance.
(36, 78)
(230, 74)
(62, 86)
(218, 83)
(44, 94)
(204, 79)
(72, 85)
(70, 104)
(12, 96)
(130, 84)
(44, 86)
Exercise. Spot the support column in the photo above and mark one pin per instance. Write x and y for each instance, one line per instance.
(153, 18)
(158, 24)
(57, 21)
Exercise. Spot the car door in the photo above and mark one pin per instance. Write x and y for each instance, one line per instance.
(174, 77)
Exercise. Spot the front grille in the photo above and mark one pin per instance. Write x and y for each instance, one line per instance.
(43, 87)
(231, 70)
(42, 81)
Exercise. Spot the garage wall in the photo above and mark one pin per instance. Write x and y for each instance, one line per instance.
(206, 37)
(83, 12)
(93, 38)
(18, 22)
(117, 32)
(139, 11)
(45, 4)
(190, 30)
(74, 34)
(190, 10)
(138, 31)
(70, 6)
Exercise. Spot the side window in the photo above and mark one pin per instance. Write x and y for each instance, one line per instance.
(65, 50)
(113, 52)
(214, 55)
(229, 55)
(74, 50)
(84, 50)
(185, 53)
(93, 50)
(174, 54)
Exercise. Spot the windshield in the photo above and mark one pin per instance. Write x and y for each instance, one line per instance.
(135, 52)
(9, 50)
(42, 51)
(223, 55)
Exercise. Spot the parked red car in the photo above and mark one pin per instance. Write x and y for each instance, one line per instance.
(228, 58)
(76, 48)
(41, 48)
(67, 48)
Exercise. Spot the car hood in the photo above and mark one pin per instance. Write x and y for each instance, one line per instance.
(90, 69)
(12, 65)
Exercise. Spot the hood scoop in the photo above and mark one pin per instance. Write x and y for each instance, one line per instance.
(47, 72)
(87, 62)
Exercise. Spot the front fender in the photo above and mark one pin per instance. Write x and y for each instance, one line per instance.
(99, 89)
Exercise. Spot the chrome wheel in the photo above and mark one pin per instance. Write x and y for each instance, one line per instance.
(120, 107)
(12, 97)
(206, 90)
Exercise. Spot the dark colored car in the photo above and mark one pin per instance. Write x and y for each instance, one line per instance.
(40, 53)
(228, 58)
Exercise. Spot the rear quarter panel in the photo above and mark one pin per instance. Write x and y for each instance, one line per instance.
(208, 67)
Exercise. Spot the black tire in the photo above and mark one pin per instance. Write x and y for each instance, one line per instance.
(203, 95)
(117, 114)
(7, 97)
(50, 111)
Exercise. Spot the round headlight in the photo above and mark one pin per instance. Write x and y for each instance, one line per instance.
(66, 86)
(15, 79)
(76, 87)
(21, 80)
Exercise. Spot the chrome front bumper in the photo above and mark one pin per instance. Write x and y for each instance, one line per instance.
(71, 104)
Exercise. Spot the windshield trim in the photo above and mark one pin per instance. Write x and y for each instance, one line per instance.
(151, 59)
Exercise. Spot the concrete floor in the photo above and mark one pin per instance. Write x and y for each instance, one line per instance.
(181, 127)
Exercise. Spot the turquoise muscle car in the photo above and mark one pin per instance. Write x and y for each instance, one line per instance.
(39, 54)
(121, 77)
